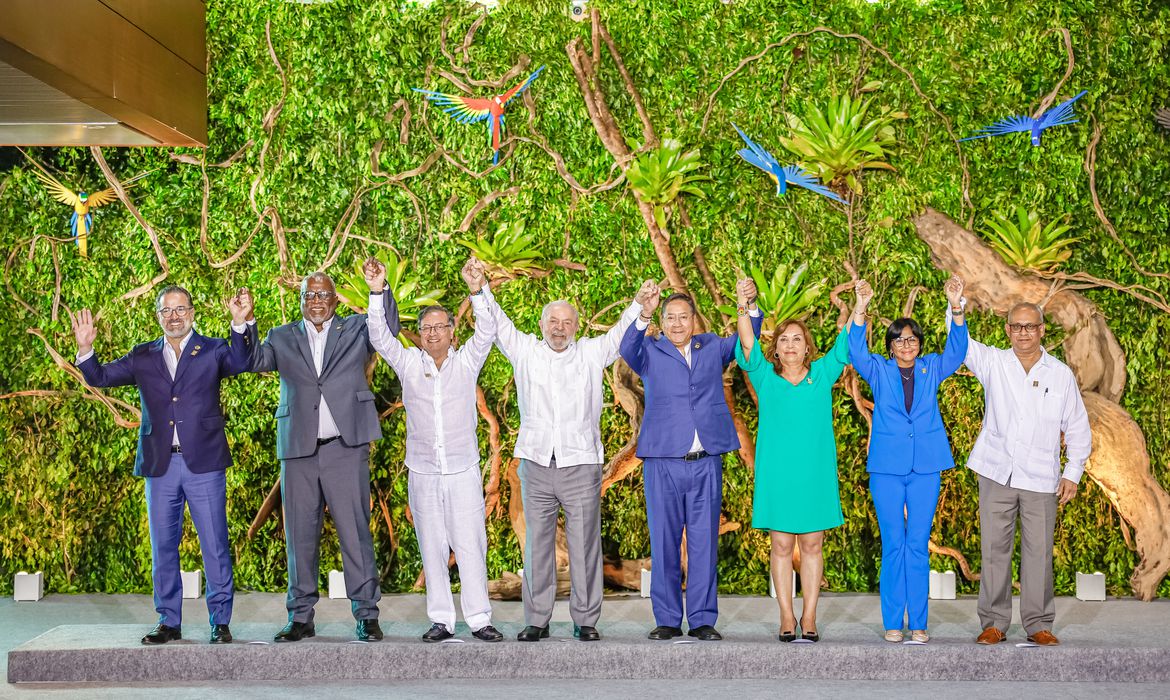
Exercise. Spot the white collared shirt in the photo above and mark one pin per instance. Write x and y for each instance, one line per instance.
(1024, 416)
(326, 426)
(171, 358)
(440, 402)
(559, 393)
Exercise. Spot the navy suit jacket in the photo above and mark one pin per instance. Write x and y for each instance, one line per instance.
(189, 403)
(681, 400)
(903, 442)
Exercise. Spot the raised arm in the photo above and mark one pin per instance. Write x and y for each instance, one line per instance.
(383, 337)
(237, 358)
(633, 337)
(608, 346)
(512, 341)
(120, 372)
(480, 343)
(747, 314)
(859, 355)
(956, 348)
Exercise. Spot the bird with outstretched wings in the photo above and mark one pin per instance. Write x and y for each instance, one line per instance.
(782, 175)
(471, 110)
(1060, 115)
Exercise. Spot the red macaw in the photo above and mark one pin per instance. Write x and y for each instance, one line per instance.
(469, 110)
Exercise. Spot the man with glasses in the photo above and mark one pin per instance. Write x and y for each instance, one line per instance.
(445, 486)
(1031, 398)
(325, 422)
(182, 448)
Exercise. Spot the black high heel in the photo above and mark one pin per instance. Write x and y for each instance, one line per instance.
(788, 636)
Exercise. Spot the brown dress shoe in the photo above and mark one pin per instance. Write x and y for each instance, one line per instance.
(991, 635)
(1044, 638)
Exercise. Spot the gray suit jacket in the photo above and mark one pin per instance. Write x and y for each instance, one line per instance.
(342, 381)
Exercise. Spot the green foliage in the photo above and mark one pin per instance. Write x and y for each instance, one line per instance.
(784, 295)
(840, 141)
(509, 251)
(661, 174)
(354, 292)
(1028, 244)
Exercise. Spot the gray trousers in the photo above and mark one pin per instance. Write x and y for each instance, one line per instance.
(337, 476)
(999, 507)
(545, 491)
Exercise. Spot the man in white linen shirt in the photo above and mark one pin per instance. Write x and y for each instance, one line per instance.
(559, 384)
(1030, 398)
(445, 487)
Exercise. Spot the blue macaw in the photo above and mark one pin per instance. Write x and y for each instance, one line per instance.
(469, 110)
(1059, 115)
(782, 175)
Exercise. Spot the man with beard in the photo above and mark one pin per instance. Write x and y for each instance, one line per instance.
(182, 448)
(325, 422)
(559, 384)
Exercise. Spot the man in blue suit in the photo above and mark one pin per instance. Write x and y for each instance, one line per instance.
(686, 429)
(182, 448)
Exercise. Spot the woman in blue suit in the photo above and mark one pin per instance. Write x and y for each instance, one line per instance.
(908, 450)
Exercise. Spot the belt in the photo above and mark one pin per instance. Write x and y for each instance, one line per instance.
(176, 450)
(326, 441)
(692, 456)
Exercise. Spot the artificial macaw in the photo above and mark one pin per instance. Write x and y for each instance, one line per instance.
(782, 175)
(1059, 115)
(469, 110)
(82, 202)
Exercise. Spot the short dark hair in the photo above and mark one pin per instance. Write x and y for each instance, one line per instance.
(895, 331)
(679, 296)
(435, 308)
(173, 289)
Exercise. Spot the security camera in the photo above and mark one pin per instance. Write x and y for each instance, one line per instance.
(578, 10)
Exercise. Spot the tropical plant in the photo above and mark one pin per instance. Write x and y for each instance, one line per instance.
(353, 291)
(1026, 243)
(510, 250)
(783, 296)
(661, 174)
(842, 140)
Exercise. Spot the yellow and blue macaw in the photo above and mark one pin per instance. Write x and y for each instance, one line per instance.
(81, 201)
(469, 110)
(782, 175)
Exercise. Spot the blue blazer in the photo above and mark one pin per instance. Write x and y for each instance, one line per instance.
(680, 399)
(903, 442)
(190, 403)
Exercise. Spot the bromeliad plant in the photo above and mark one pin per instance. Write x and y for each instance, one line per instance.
(843, 140)
(509, 252)
(663, 173)
(1026, 243)
(353, 291)
(783, 296)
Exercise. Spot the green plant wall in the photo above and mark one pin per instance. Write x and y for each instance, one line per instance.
(68, 501)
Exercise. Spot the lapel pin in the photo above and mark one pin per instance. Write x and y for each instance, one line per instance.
(924, 370)
(809, 380)
(1035, 383)
(698, 345)
(196, 350)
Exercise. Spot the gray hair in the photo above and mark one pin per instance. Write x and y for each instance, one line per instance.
(1026, 305)
(435, 308)
(544, 313)
(173, 289)
(318, 275)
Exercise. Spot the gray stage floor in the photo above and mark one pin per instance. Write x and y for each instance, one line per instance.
(849, 624)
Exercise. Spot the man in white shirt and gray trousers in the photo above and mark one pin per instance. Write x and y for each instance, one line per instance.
(445, 487)
(559, 384)
(1031, 398)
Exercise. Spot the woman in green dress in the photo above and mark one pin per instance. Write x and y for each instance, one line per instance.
(796, 496)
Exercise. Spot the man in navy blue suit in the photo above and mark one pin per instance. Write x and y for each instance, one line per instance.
(685, 432)
(182, 448)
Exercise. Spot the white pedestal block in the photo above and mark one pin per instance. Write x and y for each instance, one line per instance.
(1091, 586)
(28, 587)
(192, 583)
(644, 589)
(942, 585)
(336, 584)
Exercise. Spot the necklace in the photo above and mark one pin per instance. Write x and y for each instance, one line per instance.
(906, 372)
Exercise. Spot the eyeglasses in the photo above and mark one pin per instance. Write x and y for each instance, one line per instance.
(681, 318)
(911, 342)
(323, 296)
(1021, 327)
(167, 311)
(433, 328)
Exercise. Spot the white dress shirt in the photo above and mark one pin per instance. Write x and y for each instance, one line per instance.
(440, 402)
(1024, 416)
(326, 426)
(559, 393)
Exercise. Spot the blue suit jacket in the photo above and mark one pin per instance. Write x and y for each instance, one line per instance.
(902, 442)
(680, 399)
(189, 404)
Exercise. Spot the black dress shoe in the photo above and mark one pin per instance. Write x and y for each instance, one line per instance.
(487, 633)
(532, 633)
(437, 633)
(220, 634)
(295, 632)
(369, 631)
(586, 633)
(664, 632)
(706, 633)
(162, 634)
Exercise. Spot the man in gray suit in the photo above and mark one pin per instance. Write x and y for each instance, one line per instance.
(325, 422)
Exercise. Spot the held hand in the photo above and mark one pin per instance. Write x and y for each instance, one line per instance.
(864, 295)
(1065, 491)
(745, 291)
(649, 296)
(83, 331)
(954, 291)
(375, 274)
(241, 307)
(473, 274)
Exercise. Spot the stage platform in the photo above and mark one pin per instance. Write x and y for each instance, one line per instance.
(94, 640)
